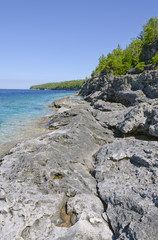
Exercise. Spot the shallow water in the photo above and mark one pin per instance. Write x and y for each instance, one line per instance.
(21, 112)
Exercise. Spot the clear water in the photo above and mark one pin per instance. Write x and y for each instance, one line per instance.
(20, 111)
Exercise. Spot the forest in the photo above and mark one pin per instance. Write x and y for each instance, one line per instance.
(65, 85)
(120, 61)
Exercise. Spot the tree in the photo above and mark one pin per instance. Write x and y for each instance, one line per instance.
(150, 31)
(101, 65)
(120, 61)
(135, 49)
(154, 60)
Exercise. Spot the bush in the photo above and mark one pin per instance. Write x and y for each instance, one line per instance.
(140, 66)
(154, 60)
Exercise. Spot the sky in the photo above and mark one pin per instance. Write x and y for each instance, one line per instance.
(45, 41)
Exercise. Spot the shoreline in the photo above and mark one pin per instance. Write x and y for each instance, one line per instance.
(32, 131)
(55, 168)
(95, 174)
(32, 128)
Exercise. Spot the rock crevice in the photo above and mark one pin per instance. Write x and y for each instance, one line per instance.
(126, 167)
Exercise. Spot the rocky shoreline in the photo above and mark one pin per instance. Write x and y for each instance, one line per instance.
(94, 176)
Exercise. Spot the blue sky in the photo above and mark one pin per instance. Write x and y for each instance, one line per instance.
(56, 40)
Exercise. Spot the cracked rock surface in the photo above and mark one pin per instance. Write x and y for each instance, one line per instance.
(95, 174)
(46, 189)
(126, 168)
(127, 175)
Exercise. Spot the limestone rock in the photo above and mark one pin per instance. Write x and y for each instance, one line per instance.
(134, 71)
(107, 106)
(142, 118)
(95, 175)
(128, 89)
(126, 171)
(45, 182)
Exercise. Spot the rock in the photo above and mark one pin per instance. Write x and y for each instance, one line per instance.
(110, 119)
(153, 128)
(126, 171)
(94, 96)
(94, 84)
(62, 102)
(149, 51)
(128, 89)
(134, 71)
(130, 98)
(149, 67)
(104, 71)
(126, 168)
(142, 118)
(95, 176)
(107, 106)
(136, 119)
(45, 182)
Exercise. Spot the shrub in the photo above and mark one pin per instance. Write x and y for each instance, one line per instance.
(154, 60)
(140, 66)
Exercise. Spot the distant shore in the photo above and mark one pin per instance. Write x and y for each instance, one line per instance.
(73, 85)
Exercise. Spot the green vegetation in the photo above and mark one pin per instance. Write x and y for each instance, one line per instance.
(140, 66)
(150, 31)
(120, 61)
(66, 85)
(154, 60)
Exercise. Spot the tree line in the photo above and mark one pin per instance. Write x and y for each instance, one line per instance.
(65, 85)
(120, 61)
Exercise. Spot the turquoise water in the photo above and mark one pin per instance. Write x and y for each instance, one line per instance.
(20, 111)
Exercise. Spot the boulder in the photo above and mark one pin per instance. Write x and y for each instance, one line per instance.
(141, 119)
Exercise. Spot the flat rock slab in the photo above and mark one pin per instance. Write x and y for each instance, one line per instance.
(46, 190)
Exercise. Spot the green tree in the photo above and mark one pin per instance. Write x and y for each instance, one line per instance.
(140, 66)
(154, 60)
(135, 49)
(150, 31)
(120, 61)
(101, 66)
